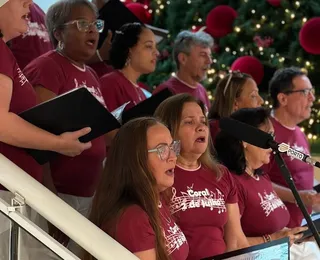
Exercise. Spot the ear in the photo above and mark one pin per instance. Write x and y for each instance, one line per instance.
(182, 58)
(58, 35)
(244, 144)
(282, 99)
(235, 105)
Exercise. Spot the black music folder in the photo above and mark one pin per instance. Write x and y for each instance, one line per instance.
(115, 14)
(146, 107)
(77, 109)
(68, 112)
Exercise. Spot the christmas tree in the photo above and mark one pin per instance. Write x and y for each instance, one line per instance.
(256, 36)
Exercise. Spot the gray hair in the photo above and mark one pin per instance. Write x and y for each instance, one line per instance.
(59, 13)
(186, 39)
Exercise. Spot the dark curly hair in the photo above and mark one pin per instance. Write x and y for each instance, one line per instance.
(124, 39)
(229, 149)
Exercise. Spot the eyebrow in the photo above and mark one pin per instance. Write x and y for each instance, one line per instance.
(193, 117)
(149, 41)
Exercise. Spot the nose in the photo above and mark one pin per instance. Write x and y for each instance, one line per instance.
(172, 156)
(201, 127)
(209, 60)
(261, 100)
(311, 96)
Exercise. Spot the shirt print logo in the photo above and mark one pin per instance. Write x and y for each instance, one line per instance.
(39, 30)
(94, 91)
(198, 199)
(270, 202)
(22, 77)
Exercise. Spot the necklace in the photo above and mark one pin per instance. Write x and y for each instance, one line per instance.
(252, 175)
(83, 68)
(163, 208)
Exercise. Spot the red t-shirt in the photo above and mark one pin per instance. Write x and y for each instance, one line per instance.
(214, 126)
(35, 41)
(259, 203)
(117, 90)
(101, 68)
(199, 205)
(79, 175)
(135, 232)
(23, 98)
(302, 173)
(177, 87)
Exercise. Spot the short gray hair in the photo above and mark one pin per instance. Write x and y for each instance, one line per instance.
(59, 13)
(186, 39)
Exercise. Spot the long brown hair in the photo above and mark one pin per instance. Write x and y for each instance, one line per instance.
(170, 112)
(227, 91)
(127, 180)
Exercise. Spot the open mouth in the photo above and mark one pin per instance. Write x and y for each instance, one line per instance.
(26, 17)
(170, 172)
(201, 139)
(91, 42)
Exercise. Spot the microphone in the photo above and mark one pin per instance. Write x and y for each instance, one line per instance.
(259, 138)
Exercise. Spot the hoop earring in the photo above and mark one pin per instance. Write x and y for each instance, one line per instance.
(127, 62)
(60, 45)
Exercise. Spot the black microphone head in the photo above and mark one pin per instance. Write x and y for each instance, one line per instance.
(246, 133)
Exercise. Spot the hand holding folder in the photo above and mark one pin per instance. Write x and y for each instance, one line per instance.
(78, 109)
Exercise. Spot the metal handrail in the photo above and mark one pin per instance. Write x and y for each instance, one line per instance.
(60, 214)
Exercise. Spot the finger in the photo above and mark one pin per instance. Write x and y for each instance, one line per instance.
(109, 37)
(86, 146)
(298, 229)
(82, 132)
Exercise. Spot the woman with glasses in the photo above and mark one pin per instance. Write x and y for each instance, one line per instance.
(133, 53)
(264, 216)
(204, 200)
(236, 90)
(131, 201)
(74, 31)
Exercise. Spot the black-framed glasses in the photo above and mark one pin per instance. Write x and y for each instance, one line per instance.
(235, 73)
(306, 91)
(163, 150)
(84, 25)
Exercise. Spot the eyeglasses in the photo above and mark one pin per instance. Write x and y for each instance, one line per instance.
(306, 92)
(235, 73)
(163, 150)
(84, 26)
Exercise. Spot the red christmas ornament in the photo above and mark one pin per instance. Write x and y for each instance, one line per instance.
(220, 21)
(274, 2)
(309, 36)
(249, 65)
(140, 12)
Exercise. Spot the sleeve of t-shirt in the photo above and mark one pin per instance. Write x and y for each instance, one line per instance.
(7, 64)
(111, 91)
(241, 195)
(160, 87)
(45, 72)
(134, 230)
(233, 195)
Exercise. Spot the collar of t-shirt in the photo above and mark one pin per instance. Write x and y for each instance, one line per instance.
(273, 116)
(185, 83)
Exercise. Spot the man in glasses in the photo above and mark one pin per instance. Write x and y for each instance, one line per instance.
(192, 55)
(292, 97)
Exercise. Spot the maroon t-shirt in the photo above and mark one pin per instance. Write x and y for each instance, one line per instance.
(23, 98)
(101, 68)
(79, 175)
(117, 90)
(199, 205)
(35, 41)
(262, 211)
(214, 126)
(176, 86)
(302, 173)
(135, 232)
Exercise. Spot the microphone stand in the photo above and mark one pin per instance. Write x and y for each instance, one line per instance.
(288, 178)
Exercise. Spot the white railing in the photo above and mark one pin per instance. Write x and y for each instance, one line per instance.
(60, 214)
